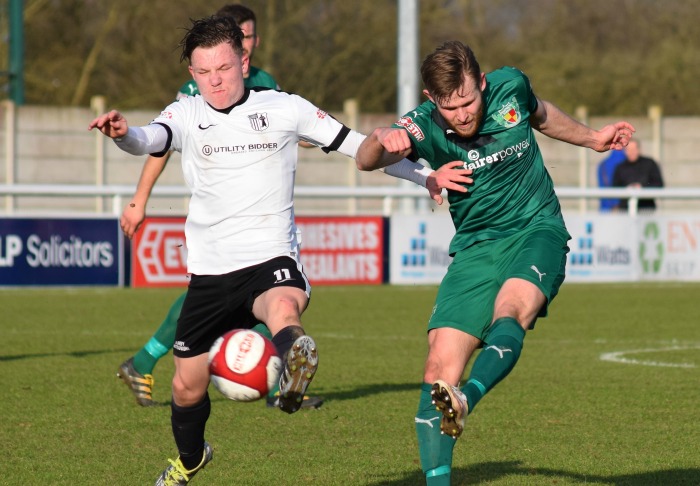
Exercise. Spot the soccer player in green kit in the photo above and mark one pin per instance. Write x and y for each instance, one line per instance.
(137, 371)
(509, 250)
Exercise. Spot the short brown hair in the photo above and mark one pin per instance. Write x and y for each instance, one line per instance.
(443, 70)
(210, 32)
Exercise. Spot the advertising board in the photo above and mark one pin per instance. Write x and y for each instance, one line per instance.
(61, 251)
(334, 251)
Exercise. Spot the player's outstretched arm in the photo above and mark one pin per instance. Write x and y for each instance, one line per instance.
(385, 146)
(135, 212)
(112, 124)
(551, 121)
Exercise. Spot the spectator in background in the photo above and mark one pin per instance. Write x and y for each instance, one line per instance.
(636, 172)
(606, 171)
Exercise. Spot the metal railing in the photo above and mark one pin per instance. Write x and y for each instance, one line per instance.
(388, 194)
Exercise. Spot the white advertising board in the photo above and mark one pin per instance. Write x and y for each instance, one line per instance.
(669, 247)
(603, 248)
(418, 251)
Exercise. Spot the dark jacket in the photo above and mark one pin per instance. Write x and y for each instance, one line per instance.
(644, 171)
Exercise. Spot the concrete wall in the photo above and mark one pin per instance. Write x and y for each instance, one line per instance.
(53, 145)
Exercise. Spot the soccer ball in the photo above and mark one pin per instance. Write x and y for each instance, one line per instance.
(244, 365)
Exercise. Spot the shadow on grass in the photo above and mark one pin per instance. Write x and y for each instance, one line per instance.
(74, 354)
(492, 471)
(365, 390)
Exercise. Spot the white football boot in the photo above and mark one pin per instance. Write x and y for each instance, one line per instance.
(299, 369)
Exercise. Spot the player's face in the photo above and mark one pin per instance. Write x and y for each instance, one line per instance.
(250, 40)
(218, 72)
(464, 109)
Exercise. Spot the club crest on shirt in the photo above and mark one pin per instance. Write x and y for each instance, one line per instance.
(258, 121)
(509, 114)
(413, 129)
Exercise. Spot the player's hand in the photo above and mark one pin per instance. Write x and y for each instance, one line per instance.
(112, 124)
(615, 136)
(394, 140)
(132, 217)
(451, 176)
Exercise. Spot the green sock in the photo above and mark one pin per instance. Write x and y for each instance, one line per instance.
(435, 448)
(161, 342)
(262, 329)
(504, 343)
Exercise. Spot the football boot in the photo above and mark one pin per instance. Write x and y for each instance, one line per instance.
(451, 402)
(299, 369)
(176, 474)
(140, 385)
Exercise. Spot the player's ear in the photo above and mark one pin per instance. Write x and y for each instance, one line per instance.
(245, 63)
(426, 93)
(189, 68)
(482, 82)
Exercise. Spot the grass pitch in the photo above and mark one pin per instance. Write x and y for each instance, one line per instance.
(607, 392)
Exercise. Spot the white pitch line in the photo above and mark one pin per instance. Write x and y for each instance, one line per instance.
(619, 357)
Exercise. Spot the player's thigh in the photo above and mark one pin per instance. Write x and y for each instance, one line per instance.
(467, 293)
(281, 292)
(519, 299)
(206, 314)
(536, 255)
(279, 306)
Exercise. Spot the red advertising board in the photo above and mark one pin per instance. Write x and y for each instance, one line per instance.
(159, 254)
(342, 250)
(334, 251)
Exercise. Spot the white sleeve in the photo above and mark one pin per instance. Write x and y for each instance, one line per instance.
(351, 143)
(144, 140)
(411, 171)
(403, 169)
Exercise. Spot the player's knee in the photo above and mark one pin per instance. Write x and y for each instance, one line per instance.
(187, 394)
(286, 310)
(438, 369)
(432, 372)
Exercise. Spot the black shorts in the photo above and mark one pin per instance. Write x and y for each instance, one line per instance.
(216, 304)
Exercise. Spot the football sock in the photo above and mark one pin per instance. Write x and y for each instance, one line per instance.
(284, 339)
(188, 429)
(434, 447)
(161, 342)
(262, 329)
(503, 345)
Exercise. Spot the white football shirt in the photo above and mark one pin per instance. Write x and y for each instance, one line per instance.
(240, 166)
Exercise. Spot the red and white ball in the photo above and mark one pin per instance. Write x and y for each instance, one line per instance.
(244, 365)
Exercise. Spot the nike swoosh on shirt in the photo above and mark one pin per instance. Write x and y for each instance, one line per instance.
(204, 128)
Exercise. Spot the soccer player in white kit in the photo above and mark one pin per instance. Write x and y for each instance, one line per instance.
(239, 156)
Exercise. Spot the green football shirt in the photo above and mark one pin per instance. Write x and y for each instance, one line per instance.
(512, 187)
(257, 78)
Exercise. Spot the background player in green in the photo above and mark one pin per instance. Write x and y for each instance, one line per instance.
(510, 244)
(137, 371)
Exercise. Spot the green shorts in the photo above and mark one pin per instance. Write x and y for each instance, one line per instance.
(467, 294)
